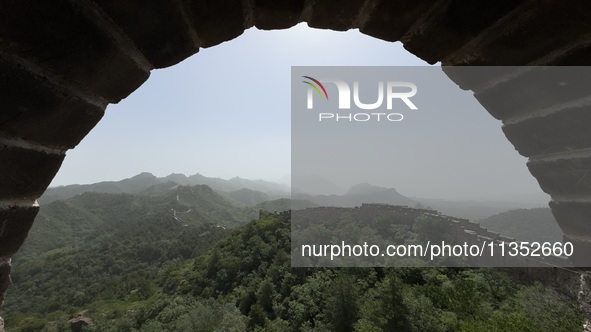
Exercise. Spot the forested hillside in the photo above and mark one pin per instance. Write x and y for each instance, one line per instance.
(92, 218)
(525, 225)
(162, 276)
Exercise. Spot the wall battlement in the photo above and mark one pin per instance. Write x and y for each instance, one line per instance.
(463, 230)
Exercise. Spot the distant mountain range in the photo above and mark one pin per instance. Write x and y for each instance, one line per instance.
(474, 210)
(307, 191)
(92, 217)
(145, 181)
(357, 195)
(315, 185)
(92, 211)
(324, 192)
(236, 191)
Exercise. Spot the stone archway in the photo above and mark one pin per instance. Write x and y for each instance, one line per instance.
(62, 62)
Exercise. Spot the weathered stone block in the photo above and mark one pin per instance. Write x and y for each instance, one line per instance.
(216, 21)
(563, 177)
(534, 89)
(566, 130)
(451, 24)
(573, 217)
(15, 223)
(390, 20)
(581, 250)
(57, 36)
(573, 54)
(473, 77)
(532, 31)
(26, 173)
(157, 27)
(334, 14)
(35, 110)
(273, 14)
(4, 279)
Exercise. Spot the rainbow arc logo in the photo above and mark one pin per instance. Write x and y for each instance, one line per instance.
(316, 85)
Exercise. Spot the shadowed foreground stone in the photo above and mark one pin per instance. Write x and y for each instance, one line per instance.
(37, 110)
(74, 41)
(15, 223)
(567, 177)
(4, 283)
(273, 14)
(78, 323)
(216, 21)
(4, 277)
(158, 28)
(25, 173)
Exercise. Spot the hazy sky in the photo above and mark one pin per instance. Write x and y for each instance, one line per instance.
(225, 112)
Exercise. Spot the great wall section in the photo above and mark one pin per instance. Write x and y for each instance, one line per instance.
(462, 230)
(62, 62)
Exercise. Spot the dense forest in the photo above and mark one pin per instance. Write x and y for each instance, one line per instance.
(147, 271)
(170, 257)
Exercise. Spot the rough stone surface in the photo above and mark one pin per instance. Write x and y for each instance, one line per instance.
(448, 25)
(157, 27)
(390, 20)
(4, 278)
(524, 35)
(334, 14)
(59, 37)
(572, 55)
(478, 80)
(561, 131)
(216, 21)
(15, 223)
(25, 173)
(273, 14)
(573, 217)
(36, 110)
(565, 177)
(532, 90)
(82, 320)
(580, 255)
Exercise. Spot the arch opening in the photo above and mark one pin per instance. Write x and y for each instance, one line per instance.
(190, 107)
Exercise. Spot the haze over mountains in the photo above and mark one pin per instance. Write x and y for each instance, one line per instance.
(306, 191)
(90, 218)
(359, 194)
(91, 212)
(325, 192)
(144, 181)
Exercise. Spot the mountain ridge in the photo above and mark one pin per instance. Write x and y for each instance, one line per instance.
(92, 217)
(143, 181)
(534, 225)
